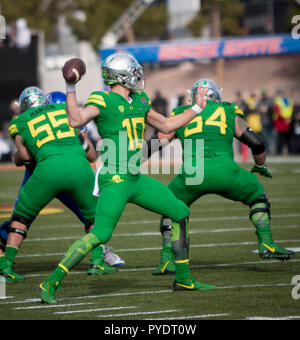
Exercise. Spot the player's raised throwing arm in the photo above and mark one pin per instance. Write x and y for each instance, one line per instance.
(78, 118)
(72, 71)
(168, 125)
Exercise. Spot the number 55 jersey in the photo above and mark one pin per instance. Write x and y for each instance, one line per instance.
(62, 166)
(45, 132)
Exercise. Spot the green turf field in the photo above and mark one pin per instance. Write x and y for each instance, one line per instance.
(222, 253)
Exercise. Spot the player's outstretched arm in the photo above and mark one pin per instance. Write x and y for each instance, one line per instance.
(255, 142)
(171, 124)
(87, 145)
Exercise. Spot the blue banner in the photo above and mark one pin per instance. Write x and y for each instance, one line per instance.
(193, 50)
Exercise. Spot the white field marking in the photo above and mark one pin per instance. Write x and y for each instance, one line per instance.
(150, 234)
(203, 266)
(208, 219)
(91, 297)
(264, 318)
(191, 317)
(88, 297)
(55, 306)
(159, 248)
(192, 266)
(94, 310)
(296, 250)
(140, 313)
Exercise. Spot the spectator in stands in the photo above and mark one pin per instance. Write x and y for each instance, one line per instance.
(160, 104)
(295, 132)
(19, 34)
(23, 38)
(265, 107)
(253, 116)
(241, 103)
(284, 108)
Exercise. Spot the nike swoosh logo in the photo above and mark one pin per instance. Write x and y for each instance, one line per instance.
(271, 249)
(42, 288)
(188, 287)
(164, 267)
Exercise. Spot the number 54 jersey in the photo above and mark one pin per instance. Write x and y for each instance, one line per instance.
(45, 132)
(215, 126)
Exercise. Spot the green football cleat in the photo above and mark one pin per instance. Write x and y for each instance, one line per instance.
(167, 264)
(268, 249)
(102, 269)
(191, 283)
(9, 276)
(47, 290)
(274, 251)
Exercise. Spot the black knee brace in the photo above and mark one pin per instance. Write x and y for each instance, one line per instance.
(17, 218)
(267, 209)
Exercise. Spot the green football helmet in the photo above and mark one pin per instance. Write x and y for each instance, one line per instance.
(32, 97)
(123, 69)
(214, 92)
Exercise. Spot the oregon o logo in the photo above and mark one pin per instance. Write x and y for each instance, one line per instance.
(2, 27)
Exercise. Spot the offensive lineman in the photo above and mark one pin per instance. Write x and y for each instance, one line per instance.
(42, 132)
(217, 125)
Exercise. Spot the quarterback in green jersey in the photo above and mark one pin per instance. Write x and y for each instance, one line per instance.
(42, 133)
(219, 123)
(121, 116)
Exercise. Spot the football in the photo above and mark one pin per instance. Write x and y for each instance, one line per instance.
(73, 70)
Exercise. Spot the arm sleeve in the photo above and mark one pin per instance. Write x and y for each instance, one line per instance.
(238, 111)
(97, 99)
(13, 129)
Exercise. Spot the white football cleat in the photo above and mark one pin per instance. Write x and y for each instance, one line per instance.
(111, 258)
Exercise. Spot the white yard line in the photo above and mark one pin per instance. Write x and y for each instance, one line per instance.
(192, 317)
(139, 313)
(55, 306)
(94, 310)
(158, 248)
(117, 295)
(152, 234)
(264, 318)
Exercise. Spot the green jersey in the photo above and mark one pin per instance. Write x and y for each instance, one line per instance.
(215, 126)
(45, 132)
(121, 125)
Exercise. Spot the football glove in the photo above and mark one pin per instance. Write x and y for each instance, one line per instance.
(262, 170)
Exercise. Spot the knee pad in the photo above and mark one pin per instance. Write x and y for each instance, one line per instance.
(165, 224)
(263, 200)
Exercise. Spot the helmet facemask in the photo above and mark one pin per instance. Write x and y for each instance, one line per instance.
(32, 97)
(214, 93)
(123, 69)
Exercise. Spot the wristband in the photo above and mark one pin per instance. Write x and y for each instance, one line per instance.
(70, 88)
(197, 109)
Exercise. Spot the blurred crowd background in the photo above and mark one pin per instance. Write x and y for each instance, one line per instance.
(40, 35)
